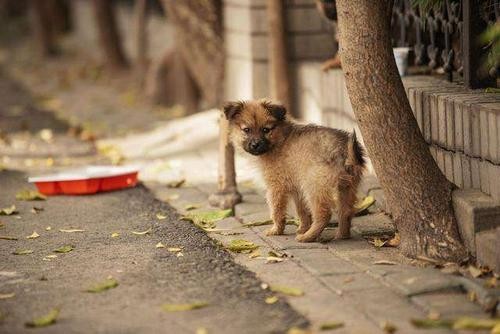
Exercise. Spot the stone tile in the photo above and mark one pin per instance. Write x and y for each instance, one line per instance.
(484, 176)
(416, 281)
(466, 171)
(255, 217)
(382, 304)
(493, 137)
(448, 165)
(380, 201)
(287, 241)
(245, 209)
(351, 282)
(487, 248)
(457, 170)
(448, 304)
(475, 174)
(370, 225)
(484, 133)
(494, 177)
(322, 262)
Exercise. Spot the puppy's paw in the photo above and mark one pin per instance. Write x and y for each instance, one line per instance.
(305, 238)
(301, 230)
(274, 231)
(340, 235)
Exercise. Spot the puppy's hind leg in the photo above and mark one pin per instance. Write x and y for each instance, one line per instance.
(345, 209)
(303, 213)
(277, 201)
(321, 214)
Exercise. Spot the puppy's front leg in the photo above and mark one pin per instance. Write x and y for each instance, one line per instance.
(277, 201)
(303, 213)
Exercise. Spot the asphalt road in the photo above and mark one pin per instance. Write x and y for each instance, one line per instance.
(148, 276)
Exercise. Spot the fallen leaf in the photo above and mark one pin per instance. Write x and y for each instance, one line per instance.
(296, 330)
(51, 256)
(34, 235)
(433, 315)
(377, 242)
(491, 282)
(331, 325)
(430, 323)
(385, 262)
(143, 232)
(113, 153)
(241, 246)
(48, 228)
(388, 327)
(364, 204)
(6, 237)
(475, 272)
(273, 259)
(161, 216)
(255, 253)
(46, 135)
(176, 183)
(160, 245)
(276, 254)
(271, 300)
(172, 197)
(496, 329)
(2, 225)
(289, 291)
(183, 307)
(7, 295)
(207, 219)
(45, 320)
(348, 279)
(258, 223)
(115, 235)
(201, 330)
(174, 249)
(22, 252)
(475, 323)
(71, 231)
(107, 284)
(472, 296)
(64, 249)
(190, 207)
(8, 211)
(395, 241)
(30, 195)
(179, 254)
(36, 209)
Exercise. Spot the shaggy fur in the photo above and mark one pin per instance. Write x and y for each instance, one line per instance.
(317, 167)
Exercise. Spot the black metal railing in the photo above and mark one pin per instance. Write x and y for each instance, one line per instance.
(447, 36)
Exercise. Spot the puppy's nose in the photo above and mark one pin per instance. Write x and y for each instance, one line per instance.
(255, 145)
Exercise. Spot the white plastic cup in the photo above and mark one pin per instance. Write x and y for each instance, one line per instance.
(401, 57)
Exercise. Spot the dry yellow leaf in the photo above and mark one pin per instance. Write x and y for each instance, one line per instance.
(143, 232)
(33, 235)
(115, 235)
(160, 245)
(271, 300)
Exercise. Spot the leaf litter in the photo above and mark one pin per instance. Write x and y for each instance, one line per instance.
(6, 237)
(33, 235)
(109, 283)
(8, 211)
(71, 230)
(328, 326)
(241, 246)
(64, 249)
(46, 320)
(364, 204)
(143, 232)
(286, 290)
(30, 195)
(207, 220)
(183, 307)
(23, 252)
(7, 295)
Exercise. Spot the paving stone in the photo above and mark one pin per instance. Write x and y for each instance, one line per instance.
(372, 225)
(322, 262)
(448, 304)
(255, 217)
(484, 176)
(421, 280)
(245, 209)
(493, 137)
(487, 248)
(448, 165)
(466, 171)
(475, 174)
(287, 241)
(475, 212)
(457, 170)
(382, 304)
(494, 177)
(380, 201)
(351, 282)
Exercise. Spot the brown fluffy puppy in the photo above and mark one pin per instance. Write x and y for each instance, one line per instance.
(318, 167)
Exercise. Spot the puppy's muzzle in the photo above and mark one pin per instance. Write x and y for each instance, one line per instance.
(257, 146)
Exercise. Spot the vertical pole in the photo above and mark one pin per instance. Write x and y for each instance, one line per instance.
(278, 60)
(227, 195)
(473, 54)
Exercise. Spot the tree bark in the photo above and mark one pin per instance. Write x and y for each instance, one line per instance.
(109, 36)
(278, 57)
(418, 194)
(43, 29)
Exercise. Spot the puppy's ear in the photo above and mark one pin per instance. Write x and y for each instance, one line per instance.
(231, 109)
(278, 111)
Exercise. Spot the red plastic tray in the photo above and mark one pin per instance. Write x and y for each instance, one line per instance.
(88, 180)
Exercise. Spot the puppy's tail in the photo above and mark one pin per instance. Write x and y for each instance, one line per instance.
(355, 154)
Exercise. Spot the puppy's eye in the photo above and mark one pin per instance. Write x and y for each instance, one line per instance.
(246, 130)
(266, 130)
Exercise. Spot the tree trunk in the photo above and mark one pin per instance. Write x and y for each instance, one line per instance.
(60, 15)
(109, 36)
(278, 60)
(418, 194)
(42, 28)
(141, 38)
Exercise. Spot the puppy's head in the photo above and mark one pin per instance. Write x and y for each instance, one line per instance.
(257, 126)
